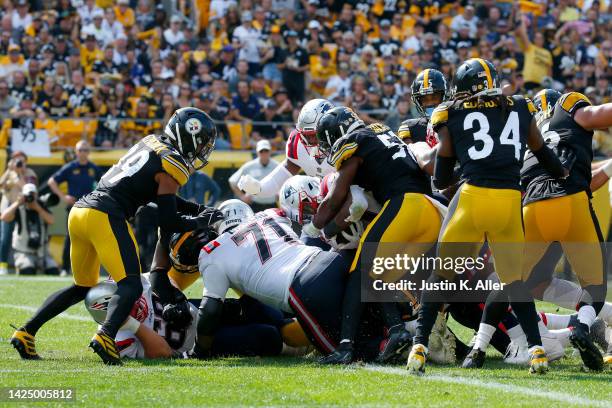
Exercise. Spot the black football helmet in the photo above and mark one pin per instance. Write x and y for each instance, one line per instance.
(192, 132)
(336, 123)
(544, 102)
(428, 82)
(185, 248)
(476, 77)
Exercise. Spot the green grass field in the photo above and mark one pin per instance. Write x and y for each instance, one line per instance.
(263, 381)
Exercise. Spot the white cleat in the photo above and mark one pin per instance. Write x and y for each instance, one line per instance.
(516, 354)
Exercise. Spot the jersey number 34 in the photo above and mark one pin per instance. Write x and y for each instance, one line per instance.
(510, 135)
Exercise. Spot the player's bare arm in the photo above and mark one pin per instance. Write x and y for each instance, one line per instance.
(595, 117)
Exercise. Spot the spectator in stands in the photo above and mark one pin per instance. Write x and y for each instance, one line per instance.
(110, 128)
(244, 105)
(258, 168)
(246, 38)
(197, 188)
(81, 177)
(14, 61)
(294, 66)
(273, 130)
(30, 237)
(538, 60)
(17, 175)
(7, 102)
(143, 124)
(339, 86)
(174, 34)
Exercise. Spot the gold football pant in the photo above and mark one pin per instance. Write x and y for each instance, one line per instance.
(602, 208)
(99, 238)
(407, 224)
(476, 214)
(570, 220)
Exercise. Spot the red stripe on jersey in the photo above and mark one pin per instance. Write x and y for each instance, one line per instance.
(123, 344)
(292, 144)
(211, 246)
(544, 319)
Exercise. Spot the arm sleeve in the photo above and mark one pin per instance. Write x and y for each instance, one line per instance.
(233, 180)
(168, 216)
(443, 172)
(163, 288)
(272, 183)
(550, 161)
(187, 207)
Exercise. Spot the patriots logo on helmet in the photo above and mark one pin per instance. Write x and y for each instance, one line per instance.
(193, 126)
(290, 191)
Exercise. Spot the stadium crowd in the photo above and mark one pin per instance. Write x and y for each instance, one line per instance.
(131, 63)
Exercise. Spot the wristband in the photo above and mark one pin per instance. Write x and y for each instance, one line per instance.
(131, 325)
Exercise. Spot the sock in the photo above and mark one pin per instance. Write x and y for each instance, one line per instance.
(128, 291)
(430, 305)
(485, 332)
(586, 315)
(351, 307)
(55, 304)
(563, 293)
(606, 313)
(562, 336)
(517, 336)
(391, 314)
(525, 311)
(555, 321)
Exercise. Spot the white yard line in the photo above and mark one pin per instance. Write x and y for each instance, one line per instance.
(33, 309)
(15, 278)
(509, 388)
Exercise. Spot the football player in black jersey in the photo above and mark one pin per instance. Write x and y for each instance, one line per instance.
(561, 210)
(487, 132)
(374, 158)
(429, 89)
(151, 171)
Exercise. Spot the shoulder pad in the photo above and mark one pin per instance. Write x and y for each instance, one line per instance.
(172, 162)
(378, 128)
(405, 129)
(439, 117)
(343, 149)
(572, 101)
(520, 100)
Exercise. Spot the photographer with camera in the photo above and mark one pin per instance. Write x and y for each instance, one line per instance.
(12, 181)
(30, 238)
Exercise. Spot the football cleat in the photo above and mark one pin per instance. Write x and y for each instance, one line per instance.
(475, 359)
(342, 355)
(591, 357)
(416, 359)
(516, 354)
(597, 332)
(538, 362)
(399, 340)
(105, 347)
(24, 343)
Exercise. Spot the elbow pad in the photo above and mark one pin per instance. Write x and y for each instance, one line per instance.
(164, 289)
(550, 161)
(443, 172)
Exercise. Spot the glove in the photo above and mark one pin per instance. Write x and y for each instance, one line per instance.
(353, 235)
(249, 185)
(208, 217)
(177, 315)
(311, 231)
(359, 204)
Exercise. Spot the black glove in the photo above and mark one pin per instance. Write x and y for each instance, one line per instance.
(208, 217)
(177, 315)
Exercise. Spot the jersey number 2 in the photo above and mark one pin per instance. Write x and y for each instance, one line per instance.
(510, 135)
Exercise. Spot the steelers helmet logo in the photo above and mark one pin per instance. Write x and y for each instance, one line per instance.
(193, 126)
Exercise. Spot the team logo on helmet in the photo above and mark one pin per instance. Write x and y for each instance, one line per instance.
(193, 126)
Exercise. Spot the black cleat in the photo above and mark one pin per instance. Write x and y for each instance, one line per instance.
(474, 359)
(342, 355)
(399, 340)
(106, 348)
(591, 357)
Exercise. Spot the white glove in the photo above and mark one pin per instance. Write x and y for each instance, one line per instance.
(249, 185)
(353, 235)
(311, 231)
(131, 324)
(359, 204)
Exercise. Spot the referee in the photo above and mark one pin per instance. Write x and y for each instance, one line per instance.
(81, 176)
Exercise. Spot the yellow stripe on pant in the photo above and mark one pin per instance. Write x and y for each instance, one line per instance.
(405, 219)
(98, 238)
(570, 221)
(477, 214)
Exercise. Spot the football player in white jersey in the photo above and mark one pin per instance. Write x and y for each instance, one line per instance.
(248, 327)
(301, 153)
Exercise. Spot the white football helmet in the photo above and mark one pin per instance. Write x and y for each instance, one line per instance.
(299, 198)
(307, 122)
(98, 298)
(234, 212)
